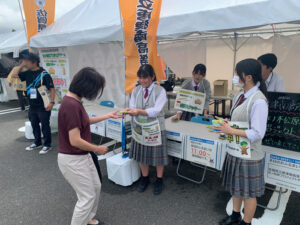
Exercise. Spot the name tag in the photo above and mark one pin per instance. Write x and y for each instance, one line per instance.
(33, 94)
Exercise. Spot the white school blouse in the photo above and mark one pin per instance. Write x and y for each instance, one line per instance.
(159, 102)
(258, 117)
(275, 83)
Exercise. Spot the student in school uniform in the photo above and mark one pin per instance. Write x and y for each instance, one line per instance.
(274, 81)
(244, 178)
(146, 106)
(200, 84)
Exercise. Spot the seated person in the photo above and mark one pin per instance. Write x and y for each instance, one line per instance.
(273, 81)
(200, 84)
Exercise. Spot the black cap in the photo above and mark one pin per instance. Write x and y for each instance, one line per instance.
(32, 57)
(23, 54)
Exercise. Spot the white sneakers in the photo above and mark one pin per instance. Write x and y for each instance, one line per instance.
(44, 150)
(32, 147)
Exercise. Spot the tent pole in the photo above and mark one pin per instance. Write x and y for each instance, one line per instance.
(123, 45)
(22, 17)
(234, 52)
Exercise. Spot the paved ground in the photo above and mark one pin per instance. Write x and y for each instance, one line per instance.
(33, 192)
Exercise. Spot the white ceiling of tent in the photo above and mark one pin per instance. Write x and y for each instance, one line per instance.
(96, 21)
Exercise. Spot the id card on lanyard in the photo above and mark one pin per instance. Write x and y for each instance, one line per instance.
(33, 93)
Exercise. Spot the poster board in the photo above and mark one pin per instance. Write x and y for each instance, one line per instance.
(190, 101)
(282, 171)
(175, 144)
(283, 127)
(236, 145)
(114, 129)
(55, 62)
(98, 128)
(203, 151)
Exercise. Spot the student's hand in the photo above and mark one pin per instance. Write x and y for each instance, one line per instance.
(101, 150)
(49, 107)
(133, 112)
(208, 115)
(115, 115)
(224, 128)
(176, 117)
(225, 120)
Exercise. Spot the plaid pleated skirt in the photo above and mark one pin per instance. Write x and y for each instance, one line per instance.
(150, 155)
(243, 178)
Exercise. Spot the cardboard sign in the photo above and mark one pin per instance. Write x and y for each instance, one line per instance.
(282, 171)
(283, 127)
(114, 129)
(175, 144)
(148, 134)
(236, 145)
(190, 101)
(202, 151)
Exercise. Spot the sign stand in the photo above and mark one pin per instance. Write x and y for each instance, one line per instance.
(280, 192)
(190, 179)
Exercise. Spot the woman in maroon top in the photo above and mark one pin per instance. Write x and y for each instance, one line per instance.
(74, 160)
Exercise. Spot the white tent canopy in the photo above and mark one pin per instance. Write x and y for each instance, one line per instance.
(13, 42)
(92, 21)
(95, 21)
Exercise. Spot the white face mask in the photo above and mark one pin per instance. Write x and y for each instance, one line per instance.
(236, 81)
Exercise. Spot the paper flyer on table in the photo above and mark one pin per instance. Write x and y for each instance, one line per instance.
(175, 144)
(191, 101)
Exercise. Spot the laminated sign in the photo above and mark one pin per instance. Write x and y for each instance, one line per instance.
(236, 145)
(147, 133)
(190, 101)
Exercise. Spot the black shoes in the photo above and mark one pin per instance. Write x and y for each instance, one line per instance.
(158, 186)
(143, 184)
(229, 220)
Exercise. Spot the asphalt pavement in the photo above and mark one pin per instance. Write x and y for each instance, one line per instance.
(33, 191)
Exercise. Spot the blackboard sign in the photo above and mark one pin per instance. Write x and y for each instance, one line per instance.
(283, 128)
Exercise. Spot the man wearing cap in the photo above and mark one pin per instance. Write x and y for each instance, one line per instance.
(37, 112)
(17, 84)
(273, 80)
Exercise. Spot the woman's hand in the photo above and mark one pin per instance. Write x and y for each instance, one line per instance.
(101, 150)
(115, 115)
(176, 117)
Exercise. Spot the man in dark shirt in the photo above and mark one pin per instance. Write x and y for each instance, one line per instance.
(37, 112)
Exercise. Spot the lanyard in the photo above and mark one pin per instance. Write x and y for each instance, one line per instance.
(35, 82)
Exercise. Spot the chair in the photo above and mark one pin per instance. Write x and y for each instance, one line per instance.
(109, 104)
(201, 120)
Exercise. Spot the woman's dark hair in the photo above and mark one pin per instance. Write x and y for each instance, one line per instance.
(251, 67)
(146, 71)
(87, 83)
(269, 59)
(200, 68)
(32, 57)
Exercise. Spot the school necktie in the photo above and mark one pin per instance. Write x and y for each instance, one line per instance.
(196, 88)
(146, 93)
(241, 100)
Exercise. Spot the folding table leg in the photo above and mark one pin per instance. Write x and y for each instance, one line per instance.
(190, 179)
(280, 192)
